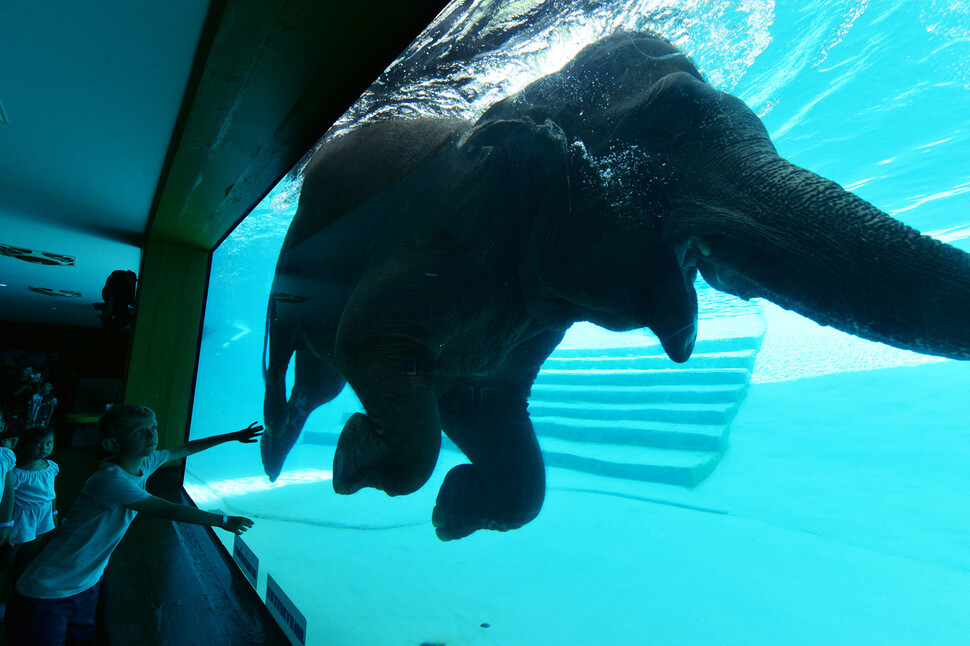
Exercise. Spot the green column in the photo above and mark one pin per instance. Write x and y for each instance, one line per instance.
(165, 339)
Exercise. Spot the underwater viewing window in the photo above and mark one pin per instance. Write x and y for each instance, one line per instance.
(788, 483)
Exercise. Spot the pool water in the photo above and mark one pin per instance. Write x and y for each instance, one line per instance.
(816, 489)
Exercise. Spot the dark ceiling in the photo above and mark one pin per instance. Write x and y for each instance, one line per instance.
(128, 121)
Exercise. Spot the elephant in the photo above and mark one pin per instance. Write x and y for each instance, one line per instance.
(434, 264)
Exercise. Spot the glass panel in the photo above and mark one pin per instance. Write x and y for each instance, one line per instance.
(789, 483)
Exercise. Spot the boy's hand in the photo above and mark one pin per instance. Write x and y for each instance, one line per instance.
(249, 434)
(238, 524)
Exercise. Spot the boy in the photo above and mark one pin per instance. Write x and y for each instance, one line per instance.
(55, 598)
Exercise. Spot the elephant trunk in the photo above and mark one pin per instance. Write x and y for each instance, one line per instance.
(807, 244)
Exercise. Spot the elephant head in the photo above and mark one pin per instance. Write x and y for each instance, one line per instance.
(697, 166)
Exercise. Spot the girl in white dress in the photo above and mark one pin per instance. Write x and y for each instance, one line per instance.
(34, 509)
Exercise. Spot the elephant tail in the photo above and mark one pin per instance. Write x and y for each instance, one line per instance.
(278, 348)
(277, 338)
(270, 315)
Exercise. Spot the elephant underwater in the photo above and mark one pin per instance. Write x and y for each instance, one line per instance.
(434, 264)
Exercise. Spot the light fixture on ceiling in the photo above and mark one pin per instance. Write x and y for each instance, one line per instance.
(36, 257)
(49, 291)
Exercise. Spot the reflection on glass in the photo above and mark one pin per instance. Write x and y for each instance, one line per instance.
(449, 259)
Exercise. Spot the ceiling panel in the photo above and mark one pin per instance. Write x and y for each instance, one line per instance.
(91, 92)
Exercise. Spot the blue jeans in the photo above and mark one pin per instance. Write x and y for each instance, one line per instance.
(51, 622)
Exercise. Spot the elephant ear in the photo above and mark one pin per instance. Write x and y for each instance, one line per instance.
(521, 133)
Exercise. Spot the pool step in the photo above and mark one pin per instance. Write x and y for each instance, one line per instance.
(672, 376)
(630, 412)
(652, 394)
(681, 468)
(687, 436)
(737, 359)
(649, 346)
(658, 412)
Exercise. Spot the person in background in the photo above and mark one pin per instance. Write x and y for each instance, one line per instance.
(8, 436)
(42, 405)
(55, 598)
(23, 391)
(11, 379)
(118, 293)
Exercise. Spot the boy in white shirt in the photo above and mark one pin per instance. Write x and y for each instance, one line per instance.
(56, 596)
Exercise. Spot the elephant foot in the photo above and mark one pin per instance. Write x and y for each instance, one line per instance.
(283, 428)
(467, 503)
(365, 457)
(273, 449)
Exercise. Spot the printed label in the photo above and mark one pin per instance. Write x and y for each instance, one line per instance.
(285, 613)
(246, 559)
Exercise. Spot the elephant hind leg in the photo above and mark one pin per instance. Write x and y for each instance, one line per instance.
(394, 446)
(386, 348)
(504, 486)
(316, 382)
(367, 457)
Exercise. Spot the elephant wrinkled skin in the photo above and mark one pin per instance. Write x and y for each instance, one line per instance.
(434, 264)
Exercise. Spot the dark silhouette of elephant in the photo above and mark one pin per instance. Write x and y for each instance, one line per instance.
(434, 264)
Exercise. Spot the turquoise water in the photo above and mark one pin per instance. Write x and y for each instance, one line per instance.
(789, 484)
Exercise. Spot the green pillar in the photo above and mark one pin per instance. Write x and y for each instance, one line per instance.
(165, 339)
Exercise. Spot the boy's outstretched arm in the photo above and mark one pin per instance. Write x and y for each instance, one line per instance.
(187, 514)
(248, 435)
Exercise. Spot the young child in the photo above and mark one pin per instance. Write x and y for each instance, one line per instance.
(55, 597)
(34, 509)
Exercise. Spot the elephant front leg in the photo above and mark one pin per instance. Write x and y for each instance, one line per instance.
(316, 382)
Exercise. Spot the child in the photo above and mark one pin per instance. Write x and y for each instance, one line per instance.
(55, 598)
(34, 510)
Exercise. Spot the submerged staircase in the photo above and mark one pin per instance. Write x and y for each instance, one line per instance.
(628, 411)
